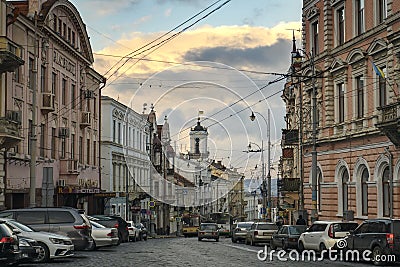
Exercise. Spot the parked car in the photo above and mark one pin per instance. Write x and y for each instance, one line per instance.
(63, 221)
(323, 235)
(260, 232)
(9, 251)
(208, 231)
(50, 246)
(29, 249)
(287, 236)
(142, 231)
(381, 236)
(134, 233)
(240, 231)
(104, 236)
(113, 221)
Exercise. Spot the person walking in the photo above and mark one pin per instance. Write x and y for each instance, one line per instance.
(301, 221)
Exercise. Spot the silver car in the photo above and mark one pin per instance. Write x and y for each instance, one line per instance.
(240, 232)
(103, 236)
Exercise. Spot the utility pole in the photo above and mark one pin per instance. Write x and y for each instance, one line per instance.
(314, 212)
(32, 178)
(269, 167)
(127, 173)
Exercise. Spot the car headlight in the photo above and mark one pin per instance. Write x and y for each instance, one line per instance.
(56, 240)
(23, 243)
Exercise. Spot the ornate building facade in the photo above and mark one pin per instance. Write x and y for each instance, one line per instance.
(351, 57)
(56, 98)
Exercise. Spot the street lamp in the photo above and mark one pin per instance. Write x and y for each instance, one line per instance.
(252, 118)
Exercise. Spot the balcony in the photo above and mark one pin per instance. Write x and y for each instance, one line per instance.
(47, 103)
(10, 55)
(10, 130)
(389, 122)
(85, 119)
(290, 137)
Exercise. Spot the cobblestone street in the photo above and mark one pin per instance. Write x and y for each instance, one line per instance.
(180, 252)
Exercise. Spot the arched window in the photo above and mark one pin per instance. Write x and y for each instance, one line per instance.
(386, 192)
(364, 191)
(319, 192)
(345, 190)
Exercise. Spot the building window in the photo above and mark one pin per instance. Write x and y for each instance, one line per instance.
(119, 133)
(53, 83)
(43, 78)
(386, 192)
(360, 96)
(381, 10)
(94, 152)
(62, 148)
(114, 176)
(359, 14)
(364, 191)
(64, 91)
(80, 149)
(94, 107)
(73, 38)
(88, 152)
(42, 139)
(69, 34)
(382, 89)
(31, 74)
(17, 75)
(30, 128)
(114, 131)
(345, 190)
(53, 143)
(340, 88)
(73, 96)
(60, 26)
(64, 33)
(340, 25)
(319, 192)
(314, 41)
(72, 146)
(55, 23)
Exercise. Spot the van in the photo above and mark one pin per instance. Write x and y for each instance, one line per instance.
(64, 221)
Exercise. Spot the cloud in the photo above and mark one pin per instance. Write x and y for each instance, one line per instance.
(168, 12)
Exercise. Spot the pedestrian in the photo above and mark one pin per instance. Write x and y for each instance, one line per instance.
(168, 229)
(301, 221)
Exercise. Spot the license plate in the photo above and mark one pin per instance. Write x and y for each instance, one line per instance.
(266, 234)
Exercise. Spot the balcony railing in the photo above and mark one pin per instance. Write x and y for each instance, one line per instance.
(85, 119)
(10, 55)
(47, 102)
(9, 133)
(290, 137)
(389, 122)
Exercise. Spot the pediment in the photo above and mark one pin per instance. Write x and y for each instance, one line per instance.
(338, 65)
(356, 56)
(377, 47)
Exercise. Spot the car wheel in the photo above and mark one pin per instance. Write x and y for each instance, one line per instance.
(322, 247)
(234, 240)
(217, 239)
(377, 253)
(44, 253)
(284, 245)
(301, 246)
(94, 246)
(272, 246)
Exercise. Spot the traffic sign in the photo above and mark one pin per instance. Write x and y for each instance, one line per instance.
(152, 204)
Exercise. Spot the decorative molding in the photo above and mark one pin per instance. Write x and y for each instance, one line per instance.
(312, 13)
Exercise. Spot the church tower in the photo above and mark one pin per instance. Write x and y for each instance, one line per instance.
(198, 142)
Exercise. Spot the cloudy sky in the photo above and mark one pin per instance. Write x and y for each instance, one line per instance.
(225, 61)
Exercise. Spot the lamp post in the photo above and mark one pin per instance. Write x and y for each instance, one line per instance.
(269, 206)
(298, 59)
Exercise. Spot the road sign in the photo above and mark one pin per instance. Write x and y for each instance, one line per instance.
(152, 204)
(263, 211)
(184, 191)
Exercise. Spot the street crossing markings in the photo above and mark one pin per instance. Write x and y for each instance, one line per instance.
(241, 248)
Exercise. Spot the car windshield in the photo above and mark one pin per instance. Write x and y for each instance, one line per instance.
(297, 230)
(267, 227)
(245, 225)
(344, 227)
(20, 226)
(208, 227)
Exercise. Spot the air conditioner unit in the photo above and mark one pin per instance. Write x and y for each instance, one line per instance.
(81, 182)
(48, 101)
(14, 116)
(61, 182)
(63, 132)
(88, 94)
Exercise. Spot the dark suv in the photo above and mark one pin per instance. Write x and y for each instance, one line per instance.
(380, 236)
(113, 221)
(64, 221)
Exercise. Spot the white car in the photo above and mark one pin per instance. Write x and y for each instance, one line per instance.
(134, 233)
(103, 236)
(323, 235)
(52, 246)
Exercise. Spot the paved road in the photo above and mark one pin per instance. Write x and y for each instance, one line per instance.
(180, 252)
